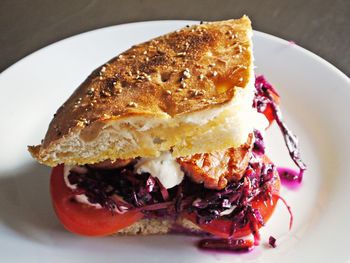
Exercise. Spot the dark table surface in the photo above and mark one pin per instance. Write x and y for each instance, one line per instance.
(322, 26)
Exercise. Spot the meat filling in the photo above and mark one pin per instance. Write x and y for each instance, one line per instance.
(217, 168)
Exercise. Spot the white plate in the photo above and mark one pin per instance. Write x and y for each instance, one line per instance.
(315, 101)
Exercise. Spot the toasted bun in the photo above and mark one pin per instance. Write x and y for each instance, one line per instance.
(188, 91)
(159, 227)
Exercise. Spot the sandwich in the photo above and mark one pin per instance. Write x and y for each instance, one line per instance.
(167, 137)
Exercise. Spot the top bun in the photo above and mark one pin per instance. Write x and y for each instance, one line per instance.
(188, 92)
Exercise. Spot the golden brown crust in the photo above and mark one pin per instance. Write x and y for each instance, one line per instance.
(192, 69)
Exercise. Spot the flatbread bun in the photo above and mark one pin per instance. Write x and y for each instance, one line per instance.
(187, 92)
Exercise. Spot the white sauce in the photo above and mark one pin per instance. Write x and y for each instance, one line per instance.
(82, 198)
(66, 171)
(228, 211)
(164, 167)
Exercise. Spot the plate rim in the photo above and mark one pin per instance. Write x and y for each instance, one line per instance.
(137, 23)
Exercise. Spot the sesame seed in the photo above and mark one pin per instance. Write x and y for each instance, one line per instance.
(90, 91)
(201, 77)
(105, 93)
(186, 73)
(103, 69)
(132, 104)
(181, 54)
(178, 90)
(168, 92)
(147, 59)
(80, 124)
(185, 99)
(215, 73)
(222, 61)
(183, 85)
(145, 52)
(84, 121)
(195, 92)
(241, 79)
(119, 90)
(101, 78)
(212, 65)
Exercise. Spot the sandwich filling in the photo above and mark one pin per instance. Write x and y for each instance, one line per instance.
(139, 186)
(227, 193)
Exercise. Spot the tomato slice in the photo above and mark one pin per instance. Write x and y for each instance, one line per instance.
(223, 228)
(83, 219)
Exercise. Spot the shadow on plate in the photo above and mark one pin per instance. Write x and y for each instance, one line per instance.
(25, 203)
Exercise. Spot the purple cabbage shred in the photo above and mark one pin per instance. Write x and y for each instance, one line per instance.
(272, 241)
(259, 146)
(263, 98)
(238, 245)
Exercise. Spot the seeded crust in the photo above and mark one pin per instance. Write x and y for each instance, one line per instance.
(137, 103)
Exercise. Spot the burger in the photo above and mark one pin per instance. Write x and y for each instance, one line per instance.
(167, 137)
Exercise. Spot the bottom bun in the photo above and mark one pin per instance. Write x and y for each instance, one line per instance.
(160, 227)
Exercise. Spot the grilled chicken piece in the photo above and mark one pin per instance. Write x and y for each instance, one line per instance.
(217, 168)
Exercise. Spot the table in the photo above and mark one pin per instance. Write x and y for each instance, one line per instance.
(322, 26)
